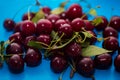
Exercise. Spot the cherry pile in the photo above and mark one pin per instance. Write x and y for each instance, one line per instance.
(62, 37)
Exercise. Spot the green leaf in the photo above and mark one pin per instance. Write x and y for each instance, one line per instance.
(58, 10)
(92, 50)
(97, 21)
(39, 15)
(38, 45)
(93, 12)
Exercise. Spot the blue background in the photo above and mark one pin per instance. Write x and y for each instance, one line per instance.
(8, 8)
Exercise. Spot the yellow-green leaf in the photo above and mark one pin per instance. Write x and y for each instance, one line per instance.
(93, 12)
(39, 15)
(97, 21)
(58, 10)
(92, 50)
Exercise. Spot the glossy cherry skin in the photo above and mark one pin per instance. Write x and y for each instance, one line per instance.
(27, 40)
(58, 64)
(63, 15)
(44, 26)
(65, 29)
(111, 43)
(74, 11)
(27, 28)
(16, 37)
(14, 48)
(33, 57)
(9, 24)
(16, 64)
(77, 24)
(117, 63)
(53, 18)
(103, 24)
(25, 16)
(73, 50)
(17, 27)
(85, 67)
(46, 10)
(115, 22)
(44, 38)
(103, 61)
(88, 25)
(85, 16)
(109, 31)
(59, 23)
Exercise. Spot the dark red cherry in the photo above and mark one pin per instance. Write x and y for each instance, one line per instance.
(46, 10)
(109, 31)
(88, 25)
(103, 61)
(27, 40)
(74, 11)
(63, 15)
(85, 67)
(115, 22)
(14, 48)
(66, 29)
(17, 27)
(73, 50)
(33, 57)
(16, 37)
(45, 38)
(77, 24)
(117, 63)
(58, 64)
(53, 18)
(9, 24)
(25, 16)
(44, 26)
(27, 28)
(59, 23)
(16, 64)
(103, 24)
(111, 43)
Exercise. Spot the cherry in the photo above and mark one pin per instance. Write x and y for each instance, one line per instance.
(33, 57)
(115, 22)
(77, 24)
(85, 66)
(116, 63)
(44, 38)
(73, 50)
(74, 11)
(44, 26)
(16, 37)
(9, 24)
(88, 25)
(63, 15)
(53, 18)
(17, 27)
(27, 40)
(25, 16)
(66, 29)
(103, 24)
(103, 61)
(14, 48)
(109, 31)
(58, 64)
(16, 64)
(59, 23)
(93, 39)
(111, 43)
(27, 28)
(46, 10)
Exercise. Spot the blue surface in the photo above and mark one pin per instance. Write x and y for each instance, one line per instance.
(43, 72)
